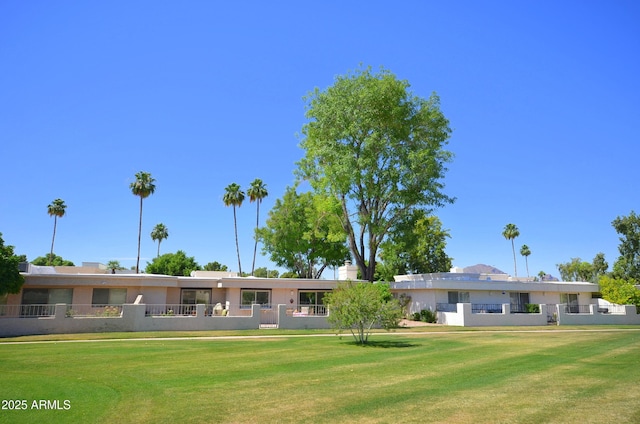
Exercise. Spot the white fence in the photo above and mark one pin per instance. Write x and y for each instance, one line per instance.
(468, 316)
(16, 320)
(61, 318)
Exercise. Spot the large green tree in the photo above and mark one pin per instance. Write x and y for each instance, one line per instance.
(579, 270)
(303, 233)
(256, 192)
(416, 245)
(360, 307)
(143, 187)
(11, 280)
(263, 272)
(114, 266)
(56, 209)
(627, 266)
(173, 264)
(510, 232)
(234, 196)
(160, 232)
(618, 290)
(378, 149)
(51, 260)
(215, 266)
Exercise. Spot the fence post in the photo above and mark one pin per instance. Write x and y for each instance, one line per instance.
(256, 314)
(60, 311)
(133, 316)
(200, 310)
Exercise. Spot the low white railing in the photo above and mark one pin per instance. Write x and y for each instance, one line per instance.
(172, 310)
(103, 311)
(27, 311)
(310, 310)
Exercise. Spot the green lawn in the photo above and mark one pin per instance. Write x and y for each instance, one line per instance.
(458, 377)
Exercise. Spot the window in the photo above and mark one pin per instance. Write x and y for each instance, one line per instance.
(109, 296)
(571, 300)
(458, 297)
(47, 296)
(519, 301)
(250, 297)
(196, 296)
(313, 300)
(44, 297)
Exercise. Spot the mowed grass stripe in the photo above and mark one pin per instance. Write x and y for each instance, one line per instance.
(462, 377)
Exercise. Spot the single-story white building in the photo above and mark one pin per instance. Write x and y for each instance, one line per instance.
(90, 299)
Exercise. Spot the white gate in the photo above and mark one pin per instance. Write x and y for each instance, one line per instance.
(269, 318)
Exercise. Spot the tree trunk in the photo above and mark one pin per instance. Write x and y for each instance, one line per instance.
(255, 246)
(235, 225)
(515, 269)
(55, 223)
(139, 238)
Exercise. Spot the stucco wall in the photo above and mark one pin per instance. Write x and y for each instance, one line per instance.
(465, 317)
(291, 322)
(629, 317)
(132, 319)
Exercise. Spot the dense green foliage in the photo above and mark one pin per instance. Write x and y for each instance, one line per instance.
(579, 270)
(114, 266)
(11, 280)
(263, 272)
(619, 290)
(173, 264)
(359, 307)
(416, 245)
(54, 260)
(465, 377)
(425, 315)
(628, 264)
(379, 150)
(215, 266)
(303, 233)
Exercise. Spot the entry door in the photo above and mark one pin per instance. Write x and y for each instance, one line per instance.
(519, 301)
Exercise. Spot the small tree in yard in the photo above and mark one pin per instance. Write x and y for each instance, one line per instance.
(11, 280)
(359, 307)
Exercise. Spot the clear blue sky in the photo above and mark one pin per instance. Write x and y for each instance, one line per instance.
(543, 98)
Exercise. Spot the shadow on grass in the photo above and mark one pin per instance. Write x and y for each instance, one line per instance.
(384, 344)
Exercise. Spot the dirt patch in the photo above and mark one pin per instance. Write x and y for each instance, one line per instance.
(411, 323)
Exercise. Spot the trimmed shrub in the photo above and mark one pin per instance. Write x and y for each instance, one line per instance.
(427, 315)
(532, 308)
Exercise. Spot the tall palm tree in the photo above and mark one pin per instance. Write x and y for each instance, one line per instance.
(160, 232)
(234, 196)
(510, 232)
(56, 209)
(257, 191)
(142, 187)
(525, 251)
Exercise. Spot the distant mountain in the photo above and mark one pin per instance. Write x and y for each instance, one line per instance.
(488, 269)
(482, 269)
